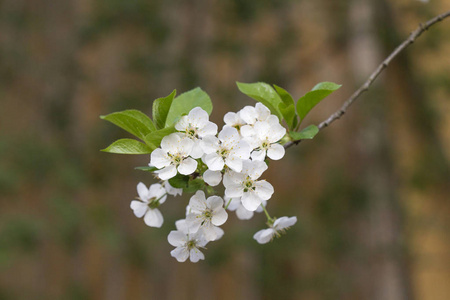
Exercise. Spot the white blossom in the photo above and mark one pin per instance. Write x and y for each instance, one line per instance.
(206, 214)
(148, 202)
(246, 186)
(228, 149)
(196, 125)
(264, 141)
(173, 156)
(171, 190)
(187, 243)
(241, 212)
(278, 227)
(234, 120)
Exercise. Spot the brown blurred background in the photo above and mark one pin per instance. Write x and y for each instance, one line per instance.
(371, 192)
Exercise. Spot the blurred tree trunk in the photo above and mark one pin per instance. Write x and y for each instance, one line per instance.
(383, 275)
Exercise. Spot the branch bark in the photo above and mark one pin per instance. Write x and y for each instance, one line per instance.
(365, 86)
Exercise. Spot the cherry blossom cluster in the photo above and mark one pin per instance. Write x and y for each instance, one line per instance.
(235, 157)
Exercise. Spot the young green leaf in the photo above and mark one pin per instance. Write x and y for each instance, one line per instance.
(147, 169)
(133, 121)
(263, 93)
(128, 146)
(287, 107)
(317, 94)
(183, 104)
(194, 185)
(307, 133)
(154, 138)
(161, 107)
(179, 181)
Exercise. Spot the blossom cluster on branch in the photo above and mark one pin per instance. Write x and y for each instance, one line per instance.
(188, 154)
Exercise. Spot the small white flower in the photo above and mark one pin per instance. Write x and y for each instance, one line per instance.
(241, 212)
(148, 203)
(213, 178)
(234, 120)
(196, 125)
(278, 227)
(187, 244)
(267, 134)
(246, 186)
(229, 149)
(206, 214)
(171, 190)
(172, 156)
(251, 115)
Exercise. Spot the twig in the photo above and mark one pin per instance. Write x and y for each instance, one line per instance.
(363, 88)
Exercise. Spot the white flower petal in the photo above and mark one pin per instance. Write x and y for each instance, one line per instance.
(214, 162)
(182, 124)
(234, 204)
(187, 166)
(209, 129)
(159, 158)
(259, 155)
(214, 202)
(219, 232)
(276, 151)
(157, 190)
(234, 163)
(234, 190)
(196, 255)
(254, 169)
(247, 131)
(208, 232)
(197, 150)
(210, 144)
(243, 214)
(263, 189)
(229, 135)
(143, 192)
(262, 130)
(248, 114)
(212, 178)
(220, 217)
(182, 226)
(262, 111)
(264, 236)
(185, 146)
(176, 238)
(154, 218)
(250, 200)
(180, 253)
(197, 203)
(170, 143)
(241, 149)
(193, 222)
(167, 172)
(198, 117)
(284, 222)
(139, 208)
(171, 190)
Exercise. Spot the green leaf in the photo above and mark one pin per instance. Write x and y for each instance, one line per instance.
(161, 107)
(284, 95)
(194, 185)
(287, 107)
(133, 121)
(179, 181)
(317, 94)
(307, 133)
(128, 146)
(154, 138)
(263, 93)
(147, 169)
(183, 104)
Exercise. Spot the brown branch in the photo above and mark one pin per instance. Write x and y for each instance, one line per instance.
(363, 88)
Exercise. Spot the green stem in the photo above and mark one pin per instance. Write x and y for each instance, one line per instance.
(267, 213)
(228, 204)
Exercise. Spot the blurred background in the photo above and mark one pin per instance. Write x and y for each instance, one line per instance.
(371, 192)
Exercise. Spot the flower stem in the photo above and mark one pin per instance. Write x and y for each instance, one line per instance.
(228, 204)
(269, 219)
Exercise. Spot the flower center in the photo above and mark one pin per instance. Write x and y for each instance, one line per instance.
(176, 158)
(191, 244)
(265, 145)
(223, 152)
(191, 131)
(248, 185)
(153, 203)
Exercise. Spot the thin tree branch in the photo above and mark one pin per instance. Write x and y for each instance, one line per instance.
(363, 88)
